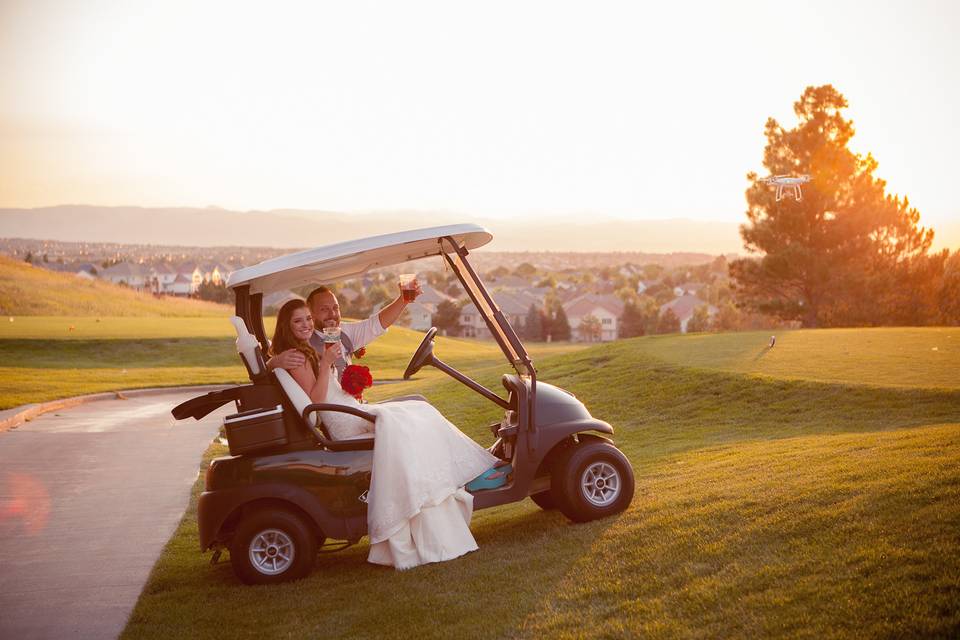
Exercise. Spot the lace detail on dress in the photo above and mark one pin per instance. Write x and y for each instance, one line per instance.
(343, 426)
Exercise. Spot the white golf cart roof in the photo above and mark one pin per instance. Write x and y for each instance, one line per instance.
(354, 257)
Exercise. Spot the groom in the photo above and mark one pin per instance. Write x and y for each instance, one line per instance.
(353, 335)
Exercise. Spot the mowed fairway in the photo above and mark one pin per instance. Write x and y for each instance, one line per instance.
(49, 357)
(766, 507)
(902, 356)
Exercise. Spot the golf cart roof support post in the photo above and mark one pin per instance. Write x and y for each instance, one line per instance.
(505, 331)
(241, 305)
(473, 384)
(250, 309)
(498, 325)
(256, 318)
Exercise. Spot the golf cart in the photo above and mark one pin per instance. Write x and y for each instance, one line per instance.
(288, 487)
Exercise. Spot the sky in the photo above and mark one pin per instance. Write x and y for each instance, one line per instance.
(535, 110)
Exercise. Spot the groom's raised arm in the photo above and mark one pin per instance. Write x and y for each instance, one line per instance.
(389, 314)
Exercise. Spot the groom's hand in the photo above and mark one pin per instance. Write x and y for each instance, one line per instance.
(414, 285)
(289, 359)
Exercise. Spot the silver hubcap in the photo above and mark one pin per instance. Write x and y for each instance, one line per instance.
(600, 484)
(271, 552)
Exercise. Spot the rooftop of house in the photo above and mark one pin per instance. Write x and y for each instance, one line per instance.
(589, 302)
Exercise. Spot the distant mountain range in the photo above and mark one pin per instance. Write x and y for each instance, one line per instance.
(286, 228)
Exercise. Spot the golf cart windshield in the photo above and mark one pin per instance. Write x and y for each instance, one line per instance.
(352, 258)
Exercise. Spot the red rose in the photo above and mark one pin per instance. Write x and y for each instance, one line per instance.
(355, 379)
(359, 353)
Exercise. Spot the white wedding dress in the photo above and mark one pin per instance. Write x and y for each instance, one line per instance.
(418, 510)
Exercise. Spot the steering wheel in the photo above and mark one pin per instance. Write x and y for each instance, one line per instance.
(423, 355)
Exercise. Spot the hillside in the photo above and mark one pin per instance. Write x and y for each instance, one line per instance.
(765, 507)
(889, 356)
(34, 291)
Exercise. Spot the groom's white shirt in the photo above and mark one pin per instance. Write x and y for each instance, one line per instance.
(360, 333)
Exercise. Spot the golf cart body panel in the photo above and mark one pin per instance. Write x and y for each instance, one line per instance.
(326, 485)
(299, 470)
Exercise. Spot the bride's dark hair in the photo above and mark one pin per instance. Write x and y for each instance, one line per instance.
(284, 339)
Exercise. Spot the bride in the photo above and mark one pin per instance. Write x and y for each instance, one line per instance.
(418, 511)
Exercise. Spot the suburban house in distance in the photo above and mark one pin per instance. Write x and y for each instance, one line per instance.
(421, 317)
(605, 308)
(165, 278)
(684, 306)
(514, 304)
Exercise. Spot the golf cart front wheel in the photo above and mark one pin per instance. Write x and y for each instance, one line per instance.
(272, 546)
(594, 480)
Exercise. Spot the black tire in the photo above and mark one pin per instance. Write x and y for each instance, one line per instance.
(544, 500)
(591, 481)
(271, 546)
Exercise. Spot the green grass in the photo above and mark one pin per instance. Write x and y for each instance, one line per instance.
(892, 356)
(765, 507)
(48, 357)
(34, 291)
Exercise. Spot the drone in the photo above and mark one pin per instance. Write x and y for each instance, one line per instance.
(789, 185)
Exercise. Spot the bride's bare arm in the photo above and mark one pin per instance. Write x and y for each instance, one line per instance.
(312, 383)
(316, 385)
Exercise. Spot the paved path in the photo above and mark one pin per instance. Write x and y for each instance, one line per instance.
(89, 496)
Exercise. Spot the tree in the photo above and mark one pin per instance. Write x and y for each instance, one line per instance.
(668, 322)
(378, 294)
(533, 327)
(639, 318)
(727, 319)
(949, 299)
(29, 258)
(633, 323)
(447, 318)
(590, 328)
(525, 270)
(700, 320)
(839, 255)
(214, 292)
(559, 324)
(360, 306)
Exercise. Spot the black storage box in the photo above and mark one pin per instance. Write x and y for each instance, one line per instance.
(255, 430)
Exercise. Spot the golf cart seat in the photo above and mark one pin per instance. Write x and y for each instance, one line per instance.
(248, 347)
(308, 412)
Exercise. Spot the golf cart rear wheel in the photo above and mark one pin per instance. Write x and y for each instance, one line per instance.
(593, 480)
(271, 546)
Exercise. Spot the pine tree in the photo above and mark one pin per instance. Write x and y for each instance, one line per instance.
(560, 326)
(846, 253)
(632, 322)
(447, 318)
(533, 327)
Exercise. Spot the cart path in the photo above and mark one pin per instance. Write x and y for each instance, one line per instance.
(89, 496)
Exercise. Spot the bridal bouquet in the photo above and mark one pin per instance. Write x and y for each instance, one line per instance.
(355, 379)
